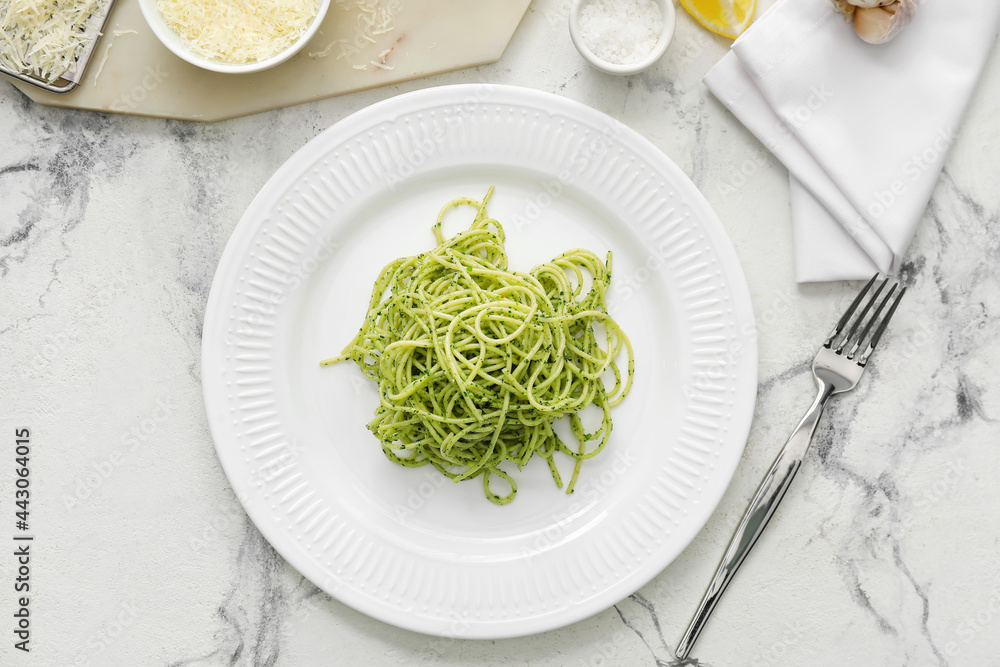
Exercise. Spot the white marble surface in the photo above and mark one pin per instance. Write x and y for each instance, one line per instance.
(885, 552)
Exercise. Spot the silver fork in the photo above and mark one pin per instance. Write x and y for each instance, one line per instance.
(837, 368)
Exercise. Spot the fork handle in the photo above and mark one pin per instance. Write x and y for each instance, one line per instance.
(770, 492)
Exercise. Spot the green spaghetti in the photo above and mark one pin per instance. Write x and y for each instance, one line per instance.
(474, 362)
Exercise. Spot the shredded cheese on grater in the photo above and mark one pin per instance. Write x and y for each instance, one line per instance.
(238, 31)
(43, 38)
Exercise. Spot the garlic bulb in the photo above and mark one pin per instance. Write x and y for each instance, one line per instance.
(878, 21)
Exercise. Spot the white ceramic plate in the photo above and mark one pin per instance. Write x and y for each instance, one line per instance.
(401, 544)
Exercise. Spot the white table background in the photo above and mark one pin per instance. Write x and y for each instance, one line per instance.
(885, 552)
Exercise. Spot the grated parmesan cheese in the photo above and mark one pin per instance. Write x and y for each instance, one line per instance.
(621, 31)
(43, 38)
(115, 34)
(238, 31)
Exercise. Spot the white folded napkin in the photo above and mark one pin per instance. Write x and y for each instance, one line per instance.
(863, 129)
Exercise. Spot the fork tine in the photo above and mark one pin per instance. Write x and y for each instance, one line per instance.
(881, 328)
(846, 317)
(873, 319)
(861, 318)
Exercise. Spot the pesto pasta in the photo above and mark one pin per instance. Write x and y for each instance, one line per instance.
(475, 362)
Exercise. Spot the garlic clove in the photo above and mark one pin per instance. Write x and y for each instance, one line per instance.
(845, 8)
(880, 24)
(868, 4)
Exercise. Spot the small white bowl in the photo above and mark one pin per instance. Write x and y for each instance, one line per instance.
(669, 22)
(172, 41)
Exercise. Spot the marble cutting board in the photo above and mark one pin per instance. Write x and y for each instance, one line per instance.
(361, 44)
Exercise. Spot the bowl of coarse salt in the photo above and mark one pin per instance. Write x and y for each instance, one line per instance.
(621, 36)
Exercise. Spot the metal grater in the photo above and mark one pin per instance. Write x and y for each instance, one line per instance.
(95, 27)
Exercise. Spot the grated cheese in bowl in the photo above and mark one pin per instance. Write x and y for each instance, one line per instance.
(44, 38)
(238, 31)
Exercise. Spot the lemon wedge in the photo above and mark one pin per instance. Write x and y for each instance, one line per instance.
(728, 18)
